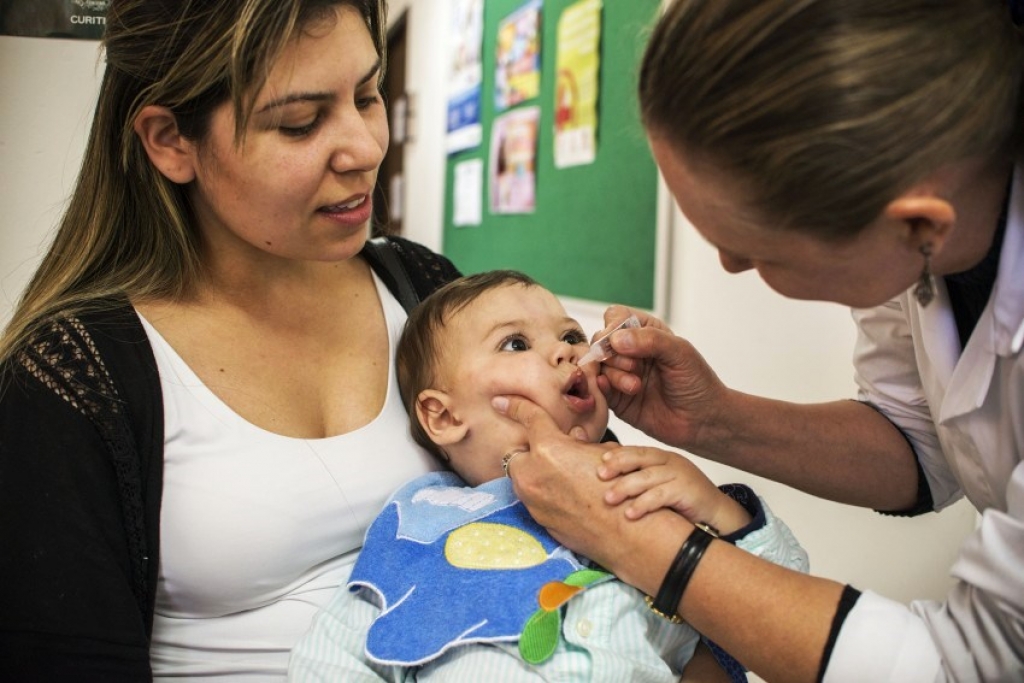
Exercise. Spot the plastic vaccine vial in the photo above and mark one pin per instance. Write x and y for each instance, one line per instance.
(601, 349)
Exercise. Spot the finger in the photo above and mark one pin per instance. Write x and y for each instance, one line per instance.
(636, 484)
(616, 313)
(612, 379)
(612, 465)
(509, 458)
(539, 424)
(623, 363)
(613, 317)
(652, 499)
(650, 342)
(579, 433)
(629, 459)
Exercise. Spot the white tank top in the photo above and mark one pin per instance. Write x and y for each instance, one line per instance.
(258, 530)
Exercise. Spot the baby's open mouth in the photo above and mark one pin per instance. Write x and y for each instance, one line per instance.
(577, 394)
(578, 387)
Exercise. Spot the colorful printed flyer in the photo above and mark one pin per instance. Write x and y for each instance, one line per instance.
(514, 161)
(517, 74)
(578, 62)
(465, 75)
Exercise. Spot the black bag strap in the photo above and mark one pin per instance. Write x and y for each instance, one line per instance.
(380, 253)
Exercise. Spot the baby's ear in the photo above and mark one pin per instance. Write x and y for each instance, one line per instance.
(434, 411)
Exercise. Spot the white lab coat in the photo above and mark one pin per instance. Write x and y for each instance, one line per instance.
(964, 413)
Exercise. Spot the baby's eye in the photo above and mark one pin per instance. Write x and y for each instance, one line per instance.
(514, 342)
(574, 337)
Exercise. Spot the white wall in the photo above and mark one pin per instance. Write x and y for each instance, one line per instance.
(756, 340)
(426, 34)
(47, 90)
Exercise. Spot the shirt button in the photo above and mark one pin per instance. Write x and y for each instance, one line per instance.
(584, 627)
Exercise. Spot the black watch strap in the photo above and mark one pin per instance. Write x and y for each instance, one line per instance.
(681, 571)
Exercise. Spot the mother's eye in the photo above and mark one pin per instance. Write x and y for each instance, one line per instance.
(301, 131)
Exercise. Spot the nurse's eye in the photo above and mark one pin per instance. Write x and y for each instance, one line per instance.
(574, 337)
(514, 342)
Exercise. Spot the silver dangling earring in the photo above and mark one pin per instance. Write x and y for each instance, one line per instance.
(924, 290)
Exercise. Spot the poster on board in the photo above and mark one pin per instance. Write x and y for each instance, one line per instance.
(465, 76)
(513, 173)
(54, 18)
(577, 64)
(517, 70)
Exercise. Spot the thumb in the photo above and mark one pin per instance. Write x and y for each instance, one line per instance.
(527, 413)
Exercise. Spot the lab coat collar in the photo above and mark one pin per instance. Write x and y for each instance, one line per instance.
(1009, 287)
(1000, 330)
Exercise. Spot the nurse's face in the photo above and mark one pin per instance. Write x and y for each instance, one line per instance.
(867, 270)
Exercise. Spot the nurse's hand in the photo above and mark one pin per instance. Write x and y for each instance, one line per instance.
(557, 481)
(660, 384)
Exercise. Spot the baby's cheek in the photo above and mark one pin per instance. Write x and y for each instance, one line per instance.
(521, 382)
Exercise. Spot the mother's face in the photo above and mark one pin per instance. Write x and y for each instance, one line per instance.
(867, 270)
(299, 186)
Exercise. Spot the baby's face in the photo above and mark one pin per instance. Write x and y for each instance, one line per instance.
(516, 340)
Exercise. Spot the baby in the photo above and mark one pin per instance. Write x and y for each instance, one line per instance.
(455, 581)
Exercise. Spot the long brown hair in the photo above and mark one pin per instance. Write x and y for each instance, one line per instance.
(128, 230)
(826, 110)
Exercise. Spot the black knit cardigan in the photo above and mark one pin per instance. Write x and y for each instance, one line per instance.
(81, 478)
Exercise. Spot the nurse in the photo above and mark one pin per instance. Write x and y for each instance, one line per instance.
(866, 153)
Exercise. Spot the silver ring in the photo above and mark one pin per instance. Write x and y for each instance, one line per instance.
(507, 458)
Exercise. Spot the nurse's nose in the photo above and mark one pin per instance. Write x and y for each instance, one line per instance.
(732, 263)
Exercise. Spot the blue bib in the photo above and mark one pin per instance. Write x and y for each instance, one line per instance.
(454, 564)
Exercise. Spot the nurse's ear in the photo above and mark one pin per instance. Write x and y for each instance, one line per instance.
(168, 150)
(923, 219)
(436, 415)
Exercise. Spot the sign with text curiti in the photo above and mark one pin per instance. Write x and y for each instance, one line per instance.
(53, 18)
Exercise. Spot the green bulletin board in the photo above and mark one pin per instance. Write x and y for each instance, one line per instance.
(593, 231)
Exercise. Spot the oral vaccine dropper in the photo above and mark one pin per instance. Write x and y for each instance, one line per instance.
(601, 349)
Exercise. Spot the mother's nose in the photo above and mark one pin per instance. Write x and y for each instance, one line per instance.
(359, 144)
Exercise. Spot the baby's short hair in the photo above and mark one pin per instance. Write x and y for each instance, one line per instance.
(420, 347)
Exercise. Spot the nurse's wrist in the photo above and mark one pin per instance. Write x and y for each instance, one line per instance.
(644, 553)
(725, 422)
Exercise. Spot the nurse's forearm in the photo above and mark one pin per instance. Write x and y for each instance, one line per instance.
(775, 621)
(843, 451)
